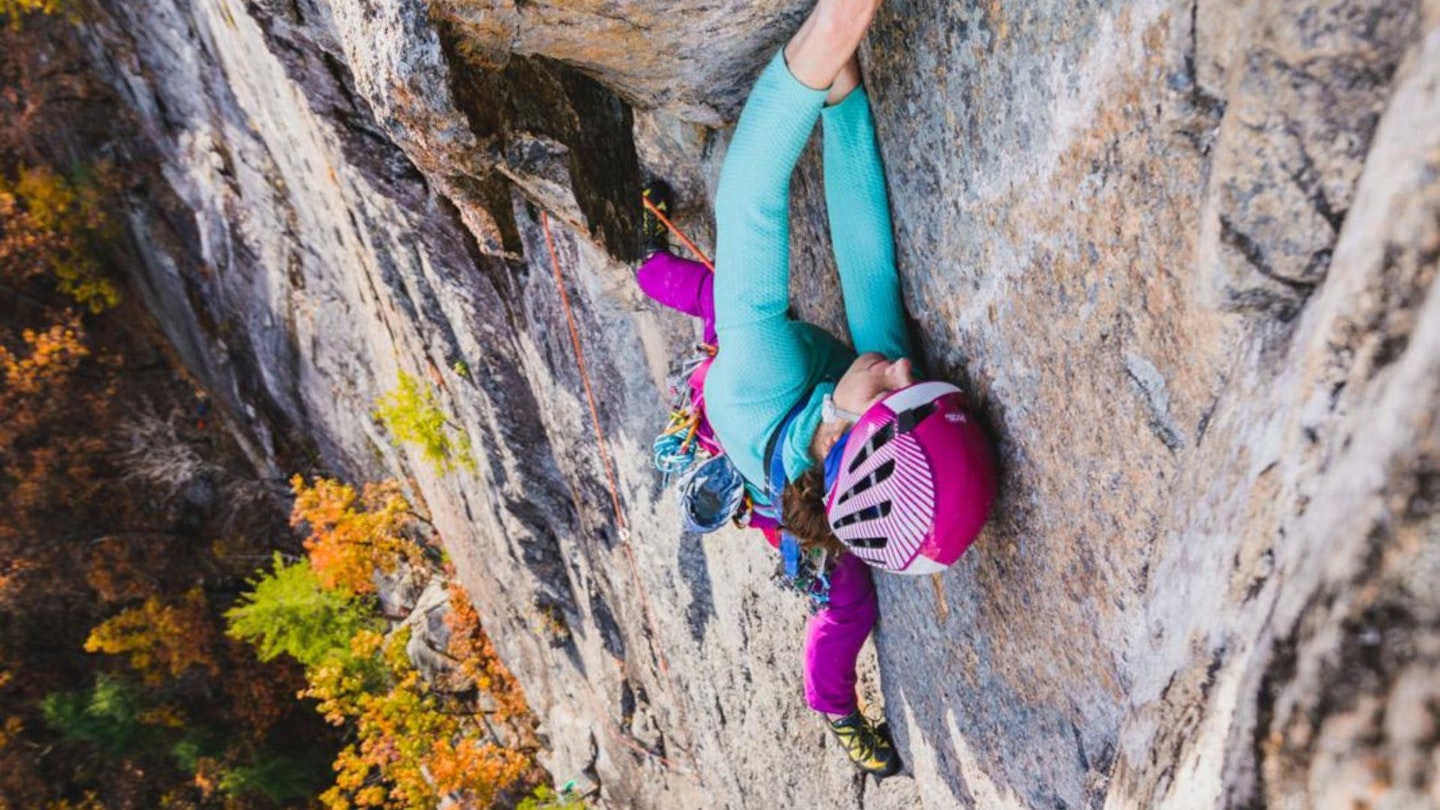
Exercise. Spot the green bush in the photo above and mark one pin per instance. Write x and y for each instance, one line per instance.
(545, 798)
(412, 414)
(279, 779)
(107, 716)
(290, 612)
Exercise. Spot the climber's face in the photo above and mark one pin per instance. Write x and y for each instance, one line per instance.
(869, 379)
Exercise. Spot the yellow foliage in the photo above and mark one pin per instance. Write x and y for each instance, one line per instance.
(354, 535)
(14, 9)
(412, 412)
(49, 357)
(163, 641)
(56, 224)
(163, 717)
(10, 730)
(91, 801)
(408, 753)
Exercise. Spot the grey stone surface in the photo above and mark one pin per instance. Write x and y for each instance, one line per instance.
(1184, 254)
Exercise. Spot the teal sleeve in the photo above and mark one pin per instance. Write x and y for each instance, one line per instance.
(860, 227)
(752, 205)
(767, 362)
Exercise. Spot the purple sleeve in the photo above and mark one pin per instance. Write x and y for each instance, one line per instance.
(681, 284)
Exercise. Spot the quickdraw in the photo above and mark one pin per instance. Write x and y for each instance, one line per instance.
(805, 573)
(678, 445)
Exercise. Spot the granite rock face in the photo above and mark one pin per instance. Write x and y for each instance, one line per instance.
(1184, 254)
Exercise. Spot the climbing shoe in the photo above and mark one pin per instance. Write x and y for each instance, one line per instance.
(654, 235)
(868, 745)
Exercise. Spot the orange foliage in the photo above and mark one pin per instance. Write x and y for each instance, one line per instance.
(24, 245)
(115, 574)
(163, 641)
(353, 536)
(258, 693)
(36, 374)
(419, 752)
(478, 661)
(18, 785)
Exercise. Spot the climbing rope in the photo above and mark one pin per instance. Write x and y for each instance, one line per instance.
(616, 732)
(625, 544)
(675, 229)
(584, 374)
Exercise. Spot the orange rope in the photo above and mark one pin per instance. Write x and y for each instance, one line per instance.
(584, 374)
(705, 260)
(600, 441)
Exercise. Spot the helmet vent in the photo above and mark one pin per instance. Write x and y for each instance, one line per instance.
(868, 542)
(875, 512)
(881, 473)
(907, 420)
(879, 440)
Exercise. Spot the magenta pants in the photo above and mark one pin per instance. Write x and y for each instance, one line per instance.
(834, 637)
(835, 634)
(681, 284)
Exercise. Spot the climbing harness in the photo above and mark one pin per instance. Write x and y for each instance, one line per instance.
(710, 487)
(805, 572)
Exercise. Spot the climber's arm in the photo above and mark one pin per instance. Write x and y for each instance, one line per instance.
(752, 208)
(860, 228)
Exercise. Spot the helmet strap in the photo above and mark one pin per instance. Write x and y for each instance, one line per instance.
(832, 461)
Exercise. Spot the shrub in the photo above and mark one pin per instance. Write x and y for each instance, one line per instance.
(291, 612)
(108, 716)
(162, 640)
(63, 226)
(354, 535)
(412, 414)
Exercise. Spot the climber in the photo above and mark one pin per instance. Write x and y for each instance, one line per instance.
(783, 395)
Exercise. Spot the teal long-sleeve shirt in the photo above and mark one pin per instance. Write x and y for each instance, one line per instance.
(768, 363)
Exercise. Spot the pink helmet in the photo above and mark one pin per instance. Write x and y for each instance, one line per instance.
(916, 481)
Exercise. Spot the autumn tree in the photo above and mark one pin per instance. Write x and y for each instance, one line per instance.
(352, 536)
(411, 745)
(478, 661)
(60, 224)
(162, 640)
(420, 752)
(100, 539)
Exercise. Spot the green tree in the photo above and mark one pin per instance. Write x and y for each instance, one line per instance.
(108, 716)
(291, 612)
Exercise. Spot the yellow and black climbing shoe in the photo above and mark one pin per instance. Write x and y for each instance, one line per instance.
(654, 234)
(868, 745)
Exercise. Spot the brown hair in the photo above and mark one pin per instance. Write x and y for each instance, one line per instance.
(802, 502)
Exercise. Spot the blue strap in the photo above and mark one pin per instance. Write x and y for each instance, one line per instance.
(790, 553)
(832, 459)
(775, 484)
(775, 454)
